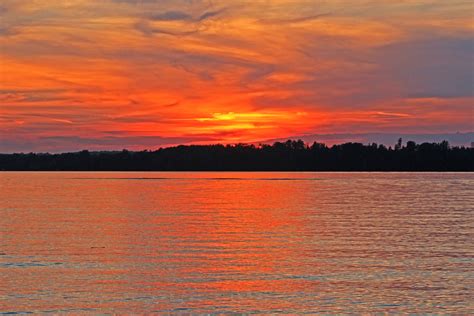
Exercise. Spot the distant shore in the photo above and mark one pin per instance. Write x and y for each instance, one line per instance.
(281, 156)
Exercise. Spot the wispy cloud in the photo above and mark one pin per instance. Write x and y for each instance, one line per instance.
(170, 16)
(232, 70)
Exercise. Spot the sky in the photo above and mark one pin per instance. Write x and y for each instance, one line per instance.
(141, 74)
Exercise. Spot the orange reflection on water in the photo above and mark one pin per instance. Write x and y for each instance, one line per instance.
(234, 242)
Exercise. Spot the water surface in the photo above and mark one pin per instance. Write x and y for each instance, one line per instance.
(212, 242)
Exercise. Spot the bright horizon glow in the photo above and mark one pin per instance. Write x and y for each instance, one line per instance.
(141, 74)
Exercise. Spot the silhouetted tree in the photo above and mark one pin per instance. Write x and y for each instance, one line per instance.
(398, 146)
(289, 155)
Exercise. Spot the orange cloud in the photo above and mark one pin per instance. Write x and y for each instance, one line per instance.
(233, 71)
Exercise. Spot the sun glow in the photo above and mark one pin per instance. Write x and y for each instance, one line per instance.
(189, 73)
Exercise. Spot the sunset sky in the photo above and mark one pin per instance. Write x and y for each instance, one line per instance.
(141, 74)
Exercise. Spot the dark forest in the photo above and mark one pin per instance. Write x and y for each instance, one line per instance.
(281, 156)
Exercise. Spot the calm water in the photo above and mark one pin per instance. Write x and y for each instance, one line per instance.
(237, 242)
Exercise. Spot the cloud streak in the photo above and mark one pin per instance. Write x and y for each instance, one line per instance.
(175, 68)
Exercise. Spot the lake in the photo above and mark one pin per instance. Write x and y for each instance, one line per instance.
(241, 242)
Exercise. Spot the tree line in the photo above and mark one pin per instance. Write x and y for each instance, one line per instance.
(281, 156)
